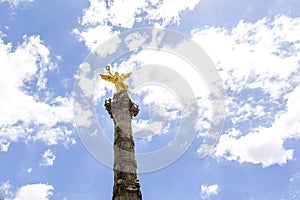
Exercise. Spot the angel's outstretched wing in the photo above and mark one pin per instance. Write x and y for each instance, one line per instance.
(124, 76)
(108, 78)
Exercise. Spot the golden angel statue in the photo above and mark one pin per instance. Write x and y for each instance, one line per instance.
(116, 79)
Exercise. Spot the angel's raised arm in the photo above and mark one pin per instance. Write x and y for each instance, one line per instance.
(108, 69)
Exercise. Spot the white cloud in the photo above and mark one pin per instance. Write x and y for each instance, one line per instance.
(209, 190)
(109, 47)
(292, 190)
(39, 191)
(155, 94)
(259, 63)
(48, 158)
(55, 135)
(258, 49)
(161, 111)
(135, 40)
(15, 2)
(100, 18)
(171, 61)
(26, 107)
(265, 145)
(123, 13)
(295, 177)
(168, 11)
(5, 188)
(82, 115)
(146, 129)
(93, 37)
(4, 144)
(87, 80)
(164, 12)
(29, 170)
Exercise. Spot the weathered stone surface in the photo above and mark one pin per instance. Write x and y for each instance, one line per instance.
(133, 108)
(126, 183)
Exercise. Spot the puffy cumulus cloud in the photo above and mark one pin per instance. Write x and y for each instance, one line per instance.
(39, 191)
(255, 147)
(48, 158)
(27, 110)
(259, 64)
(209, 190)
(265, 145)
(93, 37)
(100, 20)
(254, 53)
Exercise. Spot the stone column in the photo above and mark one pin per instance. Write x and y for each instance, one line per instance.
(126, 183)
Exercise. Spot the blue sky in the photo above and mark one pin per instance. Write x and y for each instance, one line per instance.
(46, 46)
